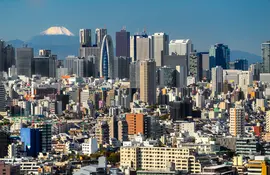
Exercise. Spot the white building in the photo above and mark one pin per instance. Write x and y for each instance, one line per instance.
(90, 146)
(160, 47)
(200, 100)
(181, 47)
(245, 80)
(181, 76)
(232, 76)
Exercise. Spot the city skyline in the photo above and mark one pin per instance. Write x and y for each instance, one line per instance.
(242, 27)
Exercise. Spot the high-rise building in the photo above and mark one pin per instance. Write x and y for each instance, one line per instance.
(2, 97)
(181, 76)
(240, 64)
(85, 38)
(10, 57)
(24, 59)
(217, 80)
(4, 143)
(267, 118)
(90, 66)
(148, 81)
(166, 77)
(237, 121)
(180, 110)
(44, 64)
(100, 34)
(46, 136)
(219, 55)
(122, 130)
(137, 123)
(123, 43)
(134, 74)
(31, 138)
(69, 62)
(256, 70)
(85, 52)
(160, 47)
(133, 45)
(2, 55)
(245, 80)
(266, 56)
(181, 47)
(143, 48)
(102, 132)
(195, 65)
(107, 58)
(121, 67)
(78, 67)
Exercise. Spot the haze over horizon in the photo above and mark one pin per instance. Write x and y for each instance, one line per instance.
(240, 24)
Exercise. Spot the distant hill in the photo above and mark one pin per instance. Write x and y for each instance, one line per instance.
(252, 58)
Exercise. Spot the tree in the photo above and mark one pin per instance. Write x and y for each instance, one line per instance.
(114, 158)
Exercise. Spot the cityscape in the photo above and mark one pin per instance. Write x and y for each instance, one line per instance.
(125, 103)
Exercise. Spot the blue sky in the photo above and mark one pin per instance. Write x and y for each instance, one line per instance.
(242, 24)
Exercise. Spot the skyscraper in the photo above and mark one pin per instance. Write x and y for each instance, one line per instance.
(166, 77)
(78, 67)
(121, 67)
(160, 47)
(133, 45)
(107, 58)
(217, 80)
(266, 56)
(85, 38)
(195, 65)
(148, 81)
(68, 63)
(31, 139)
(219, 55)
(181, 47)
(10, 57)
(2, 97)
(123, 43)
(181, 76)
(2, 55)
(237, 121)
(143, 48)
(24, 61)
(100, 33)
(134, 74)
(44, 64)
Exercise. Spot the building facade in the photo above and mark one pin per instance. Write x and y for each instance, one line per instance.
(24, 61)
(123, 43)
(107, 57)
(160, 47)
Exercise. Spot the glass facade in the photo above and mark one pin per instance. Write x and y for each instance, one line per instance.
(219, 55)
(266, 56)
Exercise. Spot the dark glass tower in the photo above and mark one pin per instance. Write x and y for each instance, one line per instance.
(123, 43)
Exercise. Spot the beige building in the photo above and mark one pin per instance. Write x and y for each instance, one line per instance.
(267, 118)
(148, 81)
(157, 158)
(143, 48)
(237, 121)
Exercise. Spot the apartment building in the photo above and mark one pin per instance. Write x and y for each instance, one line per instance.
(157, 158)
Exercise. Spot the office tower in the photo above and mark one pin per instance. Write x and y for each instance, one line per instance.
(219, 55)
(195, 65)
(217, 80)
(85, 52)
(181, 47)
(2, 97)
(181, 76)
(266, 56)
(100, 33)
(180, 110)
(137, 124)
(160, 47)
(122, 130)
(121, 67)
(148, 81)
(143, 48)
(85, 38)
(78, 67)
(123, 43)
(69, 62)
(46, 137)
(12, 71)
(90, 66)
(133, 45)
(24, 59)
(245, 80)
(241, 64)
(31, 138)
(107, 58)
(2, 55)
(134, 74)
(9, 52)
(200, 100)
(166, 77)
(256, 70)
(44, 64)
(4, 140)
(237, 121)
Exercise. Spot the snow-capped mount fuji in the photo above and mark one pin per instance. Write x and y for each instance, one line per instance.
(57, 31)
